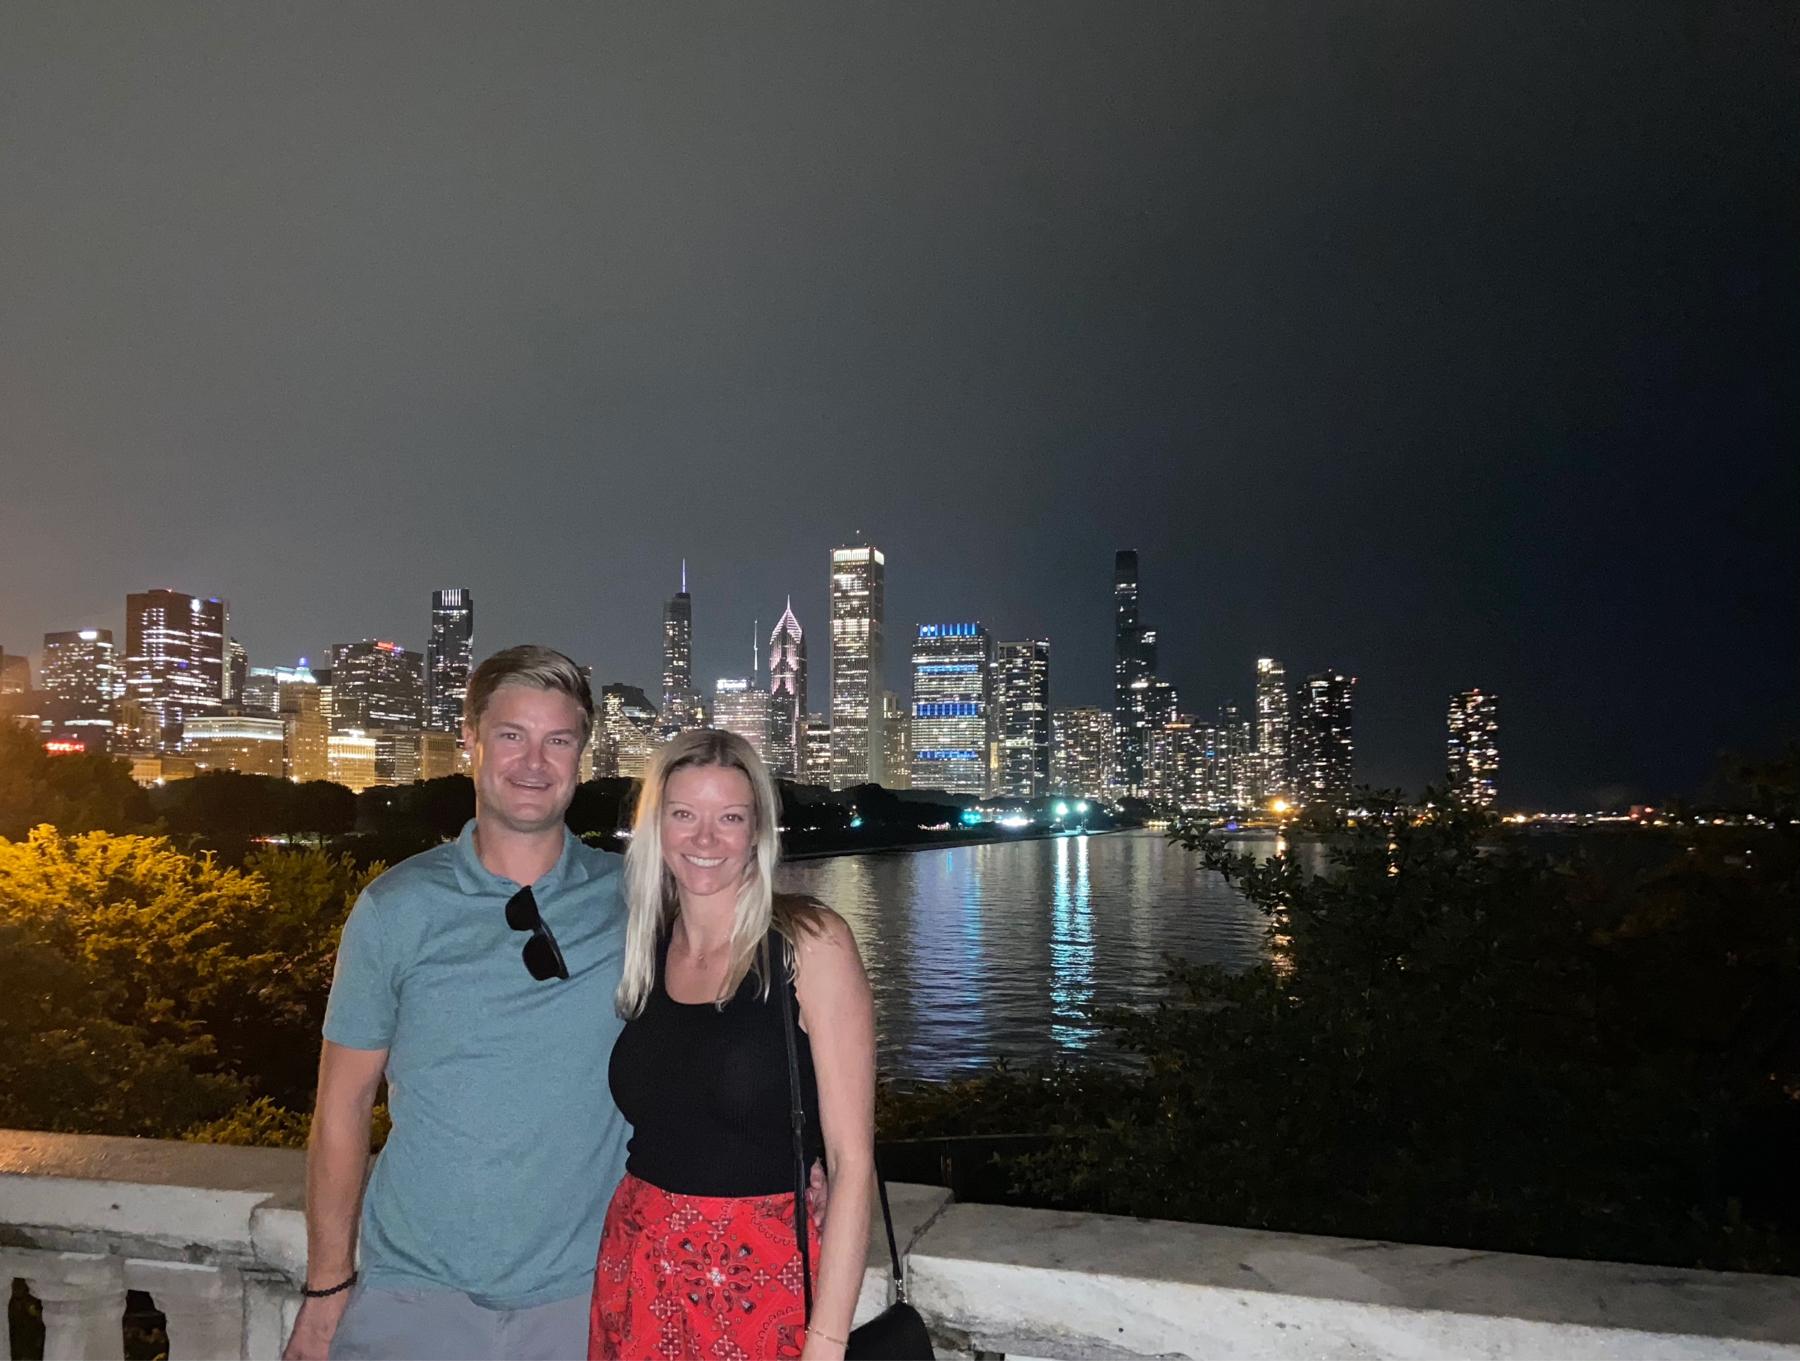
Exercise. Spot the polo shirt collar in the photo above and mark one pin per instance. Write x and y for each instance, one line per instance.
(474, 877)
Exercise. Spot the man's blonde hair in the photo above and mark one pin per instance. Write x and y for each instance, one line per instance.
(528, 664)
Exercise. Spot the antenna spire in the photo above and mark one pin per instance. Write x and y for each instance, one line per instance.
(684, 589)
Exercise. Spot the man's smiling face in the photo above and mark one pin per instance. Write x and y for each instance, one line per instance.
(525, 756)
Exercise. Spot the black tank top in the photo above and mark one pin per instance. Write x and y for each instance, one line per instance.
(706, 1090)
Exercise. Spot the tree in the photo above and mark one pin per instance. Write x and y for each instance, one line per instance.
(66, 1066)
(180, 949)
(78, 793)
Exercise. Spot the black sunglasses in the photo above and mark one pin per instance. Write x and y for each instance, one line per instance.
(542, 957)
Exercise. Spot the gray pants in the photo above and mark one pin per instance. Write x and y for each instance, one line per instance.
(446, 1325)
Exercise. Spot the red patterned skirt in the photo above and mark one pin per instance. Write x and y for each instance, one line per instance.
(698, 1277)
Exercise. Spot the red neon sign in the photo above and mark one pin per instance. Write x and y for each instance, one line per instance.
(61, 747)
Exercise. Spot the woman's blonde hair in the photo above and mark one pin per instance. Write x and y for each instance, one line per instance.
(651, 899)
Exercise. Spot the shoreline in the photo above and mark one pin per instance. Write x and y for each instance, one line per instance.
(943, 842)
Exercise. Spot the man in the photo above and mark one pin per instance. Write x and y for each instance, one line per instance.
(478, 977)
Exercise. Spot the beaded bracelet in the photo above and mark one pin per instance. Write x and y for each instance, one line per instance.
(342, 1286)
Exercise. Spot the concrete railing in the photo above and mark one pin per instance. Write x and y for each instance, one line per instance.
(216, 1238)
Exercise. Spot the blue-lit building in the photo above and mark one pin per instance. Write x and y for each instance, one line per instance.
(952, 706)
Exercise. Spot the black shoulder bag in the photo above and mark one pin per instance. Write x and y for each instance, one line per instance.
(897, 1333)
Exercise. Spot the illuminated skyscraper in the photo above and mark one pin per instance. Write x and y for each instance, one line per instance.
(787, 695)
(80, 677)
(174, 660)
(237, 669)
(449, 656)
(1083, 752)
(678, 699)
(305, 728)
(896, 741)
(1474, 747)
(1134, 666)
(262, 686)
(1325, 747)
(952, 704)
(1272, 754)
(1234, 754)
(740, 706)
(858, 608)
(627, 724)
(1022, 717)
(376, 684)
(815, 753)
(1175, 767)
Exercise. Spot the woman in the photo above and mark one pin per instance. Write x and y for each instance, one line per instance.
(697, 1257)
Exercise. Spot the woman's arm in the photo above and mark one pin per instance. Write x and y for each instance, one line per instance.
(839, 1015)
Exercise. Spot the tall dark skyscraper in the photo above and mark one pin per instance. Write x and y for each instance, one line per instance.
(1022, 717)
(1325, 768)
(377, 684)
(1134, 665)
(174, 660)
(449, 657)
(678, 660)
(785, 747)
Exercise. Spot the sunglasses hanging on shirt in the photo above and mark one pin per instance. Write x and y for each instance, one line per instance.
(541, 954)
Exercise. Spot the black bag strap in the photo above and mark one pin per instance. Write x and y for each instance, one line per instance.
(797, 1118)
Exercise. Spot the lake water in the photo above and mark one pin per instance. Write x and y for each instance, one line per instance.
(982, 952)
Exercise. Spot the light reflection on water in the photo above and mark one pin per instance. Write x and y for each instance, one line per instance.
(1072, 947)
(982, 952)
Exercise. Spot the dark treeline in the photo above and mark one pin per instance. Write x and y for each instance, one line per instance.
(232, 815)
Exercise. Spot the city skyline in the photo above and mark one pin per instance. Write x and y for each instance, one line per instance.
(1414, 344)
(675, 642)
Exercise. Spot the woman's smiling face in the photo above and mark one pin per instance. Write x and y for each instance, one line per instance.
(708, 829)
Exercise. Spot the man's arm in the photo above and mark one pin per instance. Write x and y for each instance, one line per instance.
(337, 1162)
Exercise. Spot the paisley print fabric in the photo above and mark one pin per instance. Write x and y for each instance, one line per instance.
(711, 1278)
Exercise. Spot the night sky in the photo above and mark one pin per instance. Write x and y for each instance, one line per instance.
(1444, 344)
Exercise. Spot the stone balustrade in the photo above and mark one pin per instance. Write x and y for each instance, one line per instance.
(216, 1237)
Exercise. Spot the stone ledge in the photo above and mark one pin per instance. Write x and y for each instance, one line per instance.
(1041, 1283)
(139, 1197)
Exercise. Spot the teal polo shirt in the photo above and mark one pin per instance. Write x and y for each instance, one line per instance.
(506, 1143)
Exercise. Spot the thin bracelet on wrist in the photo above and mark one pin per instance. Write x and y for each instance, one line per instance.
(337, 1289)
(820, 1332)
